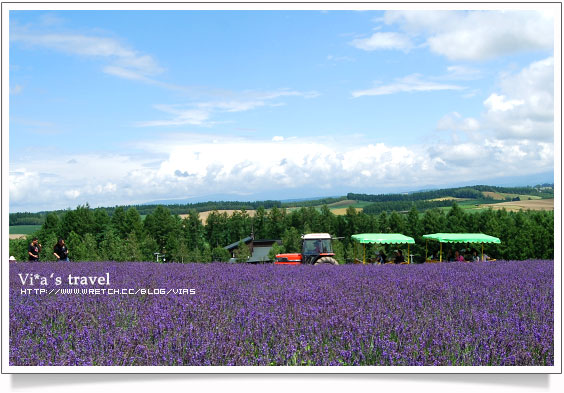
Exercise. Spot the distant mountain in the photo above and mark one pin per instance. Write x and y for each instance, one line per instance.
(232, 197)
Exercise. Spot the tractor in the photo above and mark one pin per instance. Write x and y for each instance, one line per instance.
(316, 250)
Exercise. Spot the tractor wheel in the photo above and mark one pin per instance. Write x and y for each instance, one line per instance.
(326, 261)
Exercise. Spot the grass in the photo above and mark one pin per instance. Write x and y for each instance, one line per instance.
(24, 229)
(503, 195)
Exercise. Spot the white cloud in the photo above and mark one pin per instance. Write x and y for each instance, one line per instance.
(124, 61)
(468, 35)
(72, 194)
(499, 103)
(383, 40)
(181, 116)
(410, 83)
(454, 121)
(200, 113)
(200, 165)
(461, 72)
(524, 108)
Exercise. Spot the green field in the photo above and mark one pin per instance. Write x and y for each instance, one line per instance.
(348, 203)
(24, 229)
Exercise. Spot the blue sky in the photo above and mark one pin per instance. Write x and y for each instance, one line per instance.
(123, 107)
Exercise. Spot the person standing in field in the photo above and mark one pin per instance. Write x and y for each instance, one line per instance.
(458, 257)
(33, 250)
(61, 251)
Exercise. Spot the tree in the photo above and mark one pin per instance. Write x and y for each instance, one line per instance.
(352, 221)
(180, 252)
(327, 220)
(339, 250)
(276, 249)
(133, 222)
(193, 230)
(50, 226)
(118, 222)
(112, 246)
(101, 224)
(396, 223)
(77, 251)
(455, 219)
(160, 224)
(243, 252)
(275, 225)
(131, 249)
(259, 223)
(80, 221)
(216, 229)
(291, 240)
(89, 247)
(18, 248)
(220, 254)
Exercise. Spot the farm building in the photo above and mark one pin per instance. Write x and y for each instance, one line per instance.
(259, 248)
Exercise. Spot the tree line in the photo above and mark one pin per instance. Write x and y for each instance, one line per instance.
(94, 235)
(473, 192)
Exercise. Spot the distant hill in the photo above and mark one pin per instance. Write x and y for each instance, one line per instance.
(369, 203)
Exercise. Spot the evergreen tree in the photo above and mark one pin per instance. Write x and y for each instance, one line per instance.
(50, 226)
(89, 247)
(327, 220)
(112, 247)
(339, 250)
(291, 240)
(220, 254)
(275, 225)
(118, 222)
(77, 250)
(131, 248)
(396, 223)
(101, 224)
(217, 229)
(455, 219)
(276, 249)
(243, 252)
(133, 222)
(193, 230)
(259, 223)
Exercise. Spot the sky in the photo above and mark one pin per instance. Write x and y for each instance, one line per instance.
(128, 107)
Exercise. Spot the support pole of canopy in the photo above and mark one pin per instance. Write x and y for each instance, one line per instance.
(354, 252)
(426, 244)
(364, 255)
(408, 256)
(441, 252)
(482, 251)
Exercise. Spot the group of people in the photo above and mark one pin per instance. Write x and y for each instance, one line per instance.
(60, 250)
(474, 256)
(381, 257)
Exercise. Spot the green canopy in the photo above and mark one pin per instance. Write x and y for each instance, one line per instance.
(383, 238)
(462, 238)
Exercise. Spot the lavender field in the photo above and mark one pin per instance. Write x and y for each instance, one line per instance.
(498, 313)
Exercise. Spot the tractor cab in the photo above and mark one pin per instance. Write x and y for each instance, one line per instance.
(316, 250)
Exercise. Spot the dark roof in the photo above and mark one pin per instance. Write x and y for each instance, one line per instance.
(267, 241)
(236, 244)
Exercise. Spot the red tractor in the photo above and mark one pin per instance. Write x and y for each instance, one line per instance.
(316, 250)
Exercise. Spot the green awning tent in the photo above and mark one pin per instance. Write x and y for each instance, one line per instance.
(382, 238)
(460, 238)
